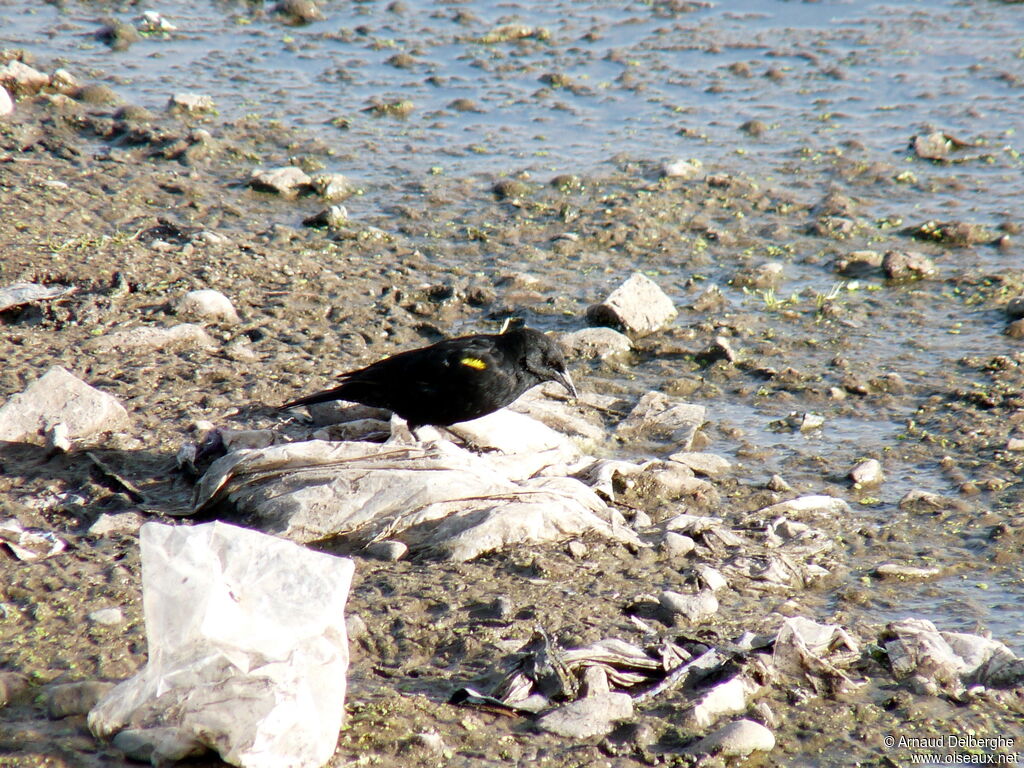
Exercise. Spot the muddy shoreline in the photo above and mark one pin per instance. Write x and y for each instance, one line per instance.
(115, 201)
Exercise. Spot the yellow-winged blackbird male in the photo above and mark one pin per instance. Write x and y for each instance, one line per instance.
(454, 380)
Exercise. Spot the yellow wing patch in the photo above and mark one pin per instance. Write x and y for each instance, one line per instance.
(474, 362)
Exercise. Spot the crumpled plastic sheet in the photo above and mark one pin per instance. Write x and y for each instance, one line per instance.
(29, 544)
(816, 653)
(436, 497)
(542, 672)
(248, 651)
(952, 660)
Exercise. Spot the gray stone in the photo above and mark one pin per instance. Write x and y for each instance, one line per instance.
(208, 304)
(59, 397)
(157, 745)
(806, 505)
(1015, 308)
(900, 265)
(659, 417)
(694, 608)
(287, 181)
(355, 627)
(712, 578)
(589, 717)
(332, 187)
(152, 338)
(577, 549)
(386, 550)
(18, 294)
(707, 464)
(74, 698)
(677, 545)
(108, 616)
(737, 739)
(867, 472)
(638, 306)
(594, 342)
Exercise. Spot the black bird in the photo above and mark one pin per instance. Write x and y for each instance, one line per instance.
(453, 380)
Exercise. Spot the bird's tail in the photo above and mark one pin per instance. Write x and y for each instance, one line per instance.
(318, 397)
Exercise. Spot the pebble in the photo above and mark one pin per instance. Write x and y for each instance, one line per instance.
(60, 397)
(107, 616)
(122, 522)
(287, 181)
(355, 627)
(577, 549)
(12, 685)
(682, 169)
(6, 102)
(386, 550)
(585, 718)
(207, 303)
(906, 572)
(1015, 330)
(677, 545)
(191, 102)
(658, 417)
(332, 187)
(20, 79)
(1015, 308)
(152, 338)
(73, 698)
(867, 473)
(590, 343)
(906, 265)
(638, 306)
(332, 216)
(712, 578)
(694, 608)
(727, 698)
(707, 464)
(737, 739)
(808, 505)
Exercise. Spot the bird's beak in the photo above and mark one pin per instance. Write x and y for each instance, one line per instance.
(562, 377)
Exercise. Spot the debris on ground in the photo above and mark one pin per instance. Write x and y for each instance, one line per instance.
(248, 653)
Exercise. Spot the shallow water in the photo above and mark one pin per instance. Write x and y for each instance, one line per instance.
(848, 81)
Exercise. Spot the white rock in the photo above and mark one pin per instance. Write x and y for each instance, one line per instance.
(6, 102)
(107, 616)
(694, 608)
(707, 464)
(868, 472)
(147, 337)
(659, 417)
(737, 739)
(207, 303)
(677, 545)
(332, 187)
(585, 718)
(64, 81)
(728, 698)
(594, 342)
(159, 746)
(18, 77)
(59, 397)
(906, 572)
(810, 505)
(191, 102)
(386, 550)
(287, 181)
(682, 169)
(122, 522)
(711, 577)
(638, 305)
